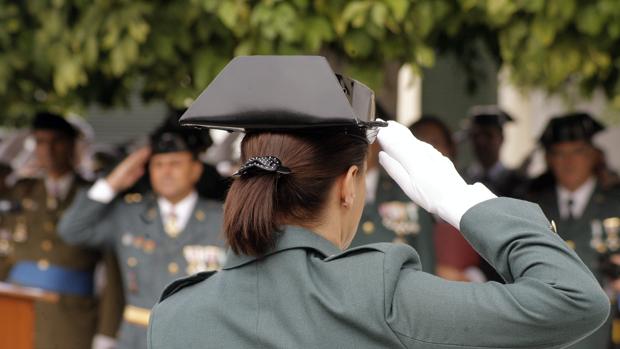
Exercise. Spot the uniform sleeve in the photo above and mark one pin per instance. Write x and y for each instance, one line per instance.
(89, 222)
(550, 300)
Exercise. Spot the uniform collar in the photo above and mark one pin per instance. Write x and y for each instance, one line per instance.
(291, 237)
(581, 196)
(59, 187)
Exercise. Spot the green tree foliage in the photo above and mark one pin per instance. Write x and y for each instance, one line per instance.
(65, 54)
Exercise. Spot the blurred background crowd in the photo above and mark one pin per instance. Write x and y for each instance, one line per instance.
(104, 199)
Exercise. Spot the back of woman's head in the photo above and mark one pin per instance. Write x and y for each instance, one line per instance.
(258, 204)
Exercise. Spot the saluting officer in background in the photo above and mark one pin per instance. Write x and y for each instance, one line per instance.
(32, 254)
(585, 212)
(159, 236)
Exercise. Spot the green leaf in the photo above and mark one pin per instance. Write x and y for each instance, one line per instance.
(398, 8)
(357, 44)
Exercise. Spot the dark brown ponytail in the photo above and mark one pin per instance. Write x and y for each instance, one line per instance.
(259, 204)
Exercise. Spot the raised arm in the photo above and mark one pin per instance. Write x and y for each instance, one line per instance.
(92, 217)
(550, 300)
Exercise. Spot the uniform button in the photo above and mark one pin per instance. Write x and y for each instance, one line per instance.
(200, 216)
(43, 264)
(46, 245)
(368, 227)
(132, 261)
(554, 227)
(173, 268)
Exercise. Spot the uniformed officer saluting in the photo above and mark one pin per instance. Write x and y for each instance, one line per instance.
(162, 236)
(296, 205)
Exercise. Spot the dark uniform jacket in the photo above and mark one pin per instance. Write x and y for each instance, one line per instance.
(306, 293)
(149, 258)
(581, 235)
(34, 248)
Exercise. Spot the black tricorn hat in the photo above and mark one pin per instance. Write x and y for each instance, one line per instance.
(489, 115)
(53, 122)
(570, 127)
(254, 93)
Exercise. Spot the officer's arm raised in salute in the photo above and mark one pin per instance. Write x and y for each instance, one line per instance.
(88, 219)
(551, 298)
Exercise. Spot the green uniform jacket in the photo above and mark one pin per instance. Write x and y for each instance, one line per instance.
(578, 233)
(33, 237)
(393, 217)
(149, 258)
(308, 294)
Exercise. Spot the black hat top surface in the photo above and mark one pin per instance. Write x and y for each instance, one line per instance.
(281, 93)
(489, 115)
(570, 127)
(53, 122)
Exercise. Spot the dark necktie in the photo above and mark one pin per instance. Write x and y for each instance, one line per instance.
(569, 205)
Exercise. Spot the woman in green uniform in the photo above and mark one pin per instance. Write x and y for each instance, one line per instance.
(294, 208)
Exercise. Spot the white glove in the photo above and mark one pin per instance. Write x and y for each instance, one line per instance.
(426, 176)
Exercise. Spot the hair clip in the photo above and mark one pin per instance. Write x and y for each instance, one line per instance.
(263, 163)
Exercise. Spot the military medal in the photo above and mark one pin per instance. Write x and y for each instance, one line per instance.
(149, 246)
(138, 242)
(612, 225)
(203, 258)
(401, 218)
(597, 243)
(127, 239)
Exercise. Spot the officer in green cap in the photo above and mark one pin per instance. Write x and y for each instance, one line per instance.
(32, 253)
(586, 214)
(158, 236)
(293, 209)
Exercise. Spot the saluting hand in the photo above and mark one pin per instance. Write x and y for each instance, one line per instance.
(129, 170)
(426, 176)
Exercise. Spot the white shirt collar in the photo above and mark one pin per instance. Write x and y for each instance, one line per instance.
(182, 209)
(580, 198)
(59, 187)
(372, 182)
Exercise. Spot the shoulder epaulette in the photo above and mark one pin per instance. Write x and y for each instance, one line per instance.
(180, 284)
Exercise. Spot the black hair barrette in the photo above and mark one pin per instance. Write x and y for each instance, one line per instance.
(262, 163)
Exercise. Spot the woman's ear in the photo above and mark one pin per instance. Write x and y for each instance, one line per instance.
(348, 188)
